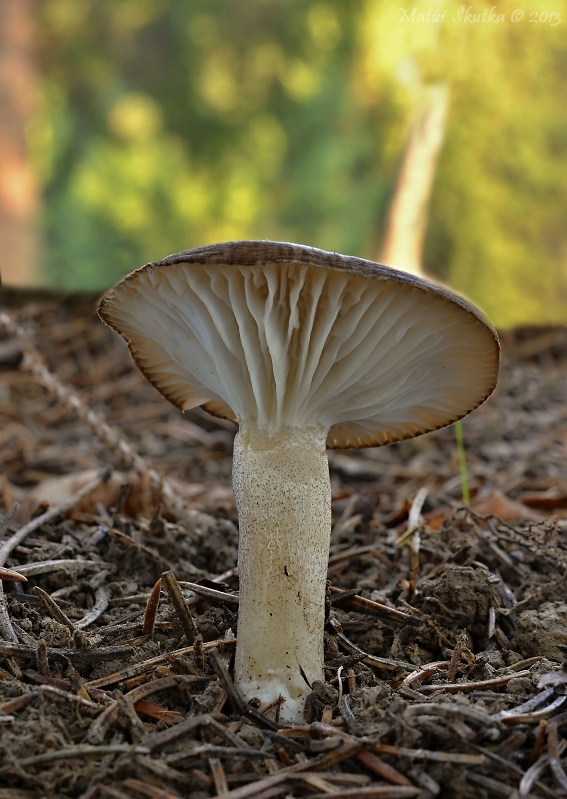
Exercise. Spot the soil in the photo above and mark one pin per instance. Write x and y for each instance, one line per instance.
(463, 694)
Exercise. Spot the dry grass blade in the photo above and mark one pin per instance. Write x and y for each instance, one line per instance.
(478, 685)
(153, 711)
(349, 749)
(54, 608)
(383, 612)
(152, 609)
(183, 613)
(210, 593)
(160, 739)
(535, 715)
(427, 754)
(219, 777)
(372, 660)
(530, 705)
(525, 664)
(383, 769)
(353, 552)
(19, 702)
(153, 687)
(425, 672)
(51, 692)
(11, 576)
(48, 566)
(318, 783)
(101, 603)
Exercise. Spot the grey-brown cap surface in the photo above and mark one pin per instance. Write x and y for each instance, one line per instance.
(290, 336)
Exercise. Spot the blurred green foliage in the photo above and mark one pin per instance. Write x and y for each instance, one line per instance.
(167, 124)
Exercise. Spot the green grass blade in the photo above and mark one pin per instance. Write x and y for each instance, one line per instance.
(462, 463)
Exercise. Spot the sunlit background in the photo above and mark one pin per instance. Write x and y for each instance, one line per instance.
(431, 138)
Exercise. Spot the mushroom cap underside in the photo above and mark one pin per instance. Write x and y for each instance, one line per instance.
(288, 335)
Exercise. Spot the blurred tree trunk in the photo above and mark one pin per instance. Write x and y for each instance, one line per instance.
(19, 199)
(407, 216)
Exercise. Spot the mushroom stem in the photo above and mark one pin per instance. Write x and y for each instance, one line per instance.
(283, 494)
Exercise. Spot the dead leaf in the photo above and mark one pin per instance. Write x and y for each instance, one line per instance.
(492, 502)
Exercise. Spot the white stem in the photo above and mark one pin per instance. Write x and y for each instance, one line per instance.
(283, 495)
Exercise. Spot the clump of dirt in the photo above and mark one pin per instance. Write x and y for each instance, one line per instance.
(378, 712)
(540, 632)
(461, 597)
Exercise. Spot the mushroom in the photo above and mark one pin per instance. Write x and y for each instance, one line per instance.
(304, 350)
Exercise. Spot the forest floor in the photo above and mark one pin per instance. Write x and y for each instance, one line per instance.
(106, 692)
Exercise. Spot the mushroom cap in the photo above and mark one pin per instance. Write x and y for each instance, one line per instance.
(287, 335)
